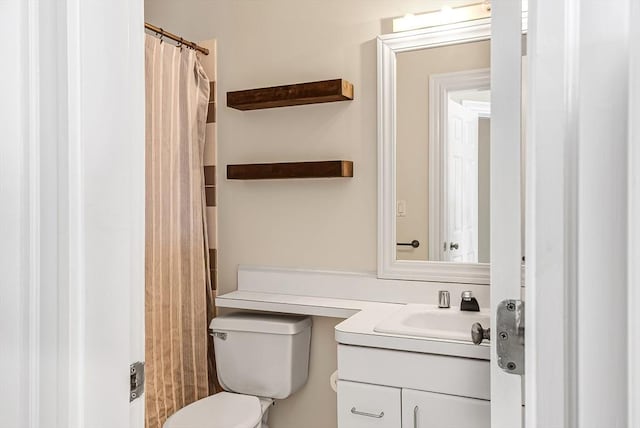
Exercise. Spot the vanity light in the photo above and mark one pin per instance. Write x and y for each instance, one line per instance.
(446, 15)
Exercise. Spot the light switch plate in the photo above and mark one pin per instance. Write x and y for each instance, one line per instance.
(401, 208)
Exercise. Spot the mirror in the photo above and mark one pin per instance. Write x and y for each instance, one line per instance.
(434, 118)
(442, 153)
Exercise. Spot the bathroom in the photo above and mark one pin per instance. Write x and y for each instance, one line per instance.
(315, 224)
(332, 248)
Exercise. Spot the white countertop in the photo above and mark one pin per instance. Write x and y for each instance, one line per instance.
(358, 328)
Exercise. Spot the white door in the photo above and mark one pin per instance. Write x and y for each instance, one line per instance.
(506, 28)
(461, 201)
(106, 169)
(72, 186)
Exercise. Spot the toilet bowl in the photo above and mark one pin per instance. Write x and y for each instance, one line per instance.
(223, 410)
(259, 358)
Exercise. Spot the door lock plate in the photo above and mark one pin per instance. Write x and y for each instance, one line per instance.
(136, 375)
(510, 336)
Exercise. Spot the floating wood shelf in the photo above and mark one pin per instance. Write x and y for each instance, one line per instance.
(266, 171)
(291, 95)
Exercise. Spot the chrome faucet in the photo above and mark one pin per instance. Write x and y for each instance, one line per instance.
(443, 299)
(469, 303)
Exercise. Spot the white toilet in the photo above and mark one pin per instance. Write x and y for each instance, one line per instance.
(259, 357)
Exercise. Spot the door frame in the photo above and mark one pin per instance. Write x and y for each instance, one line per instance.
(76, 192)
(582, 190)
(634, 227)
(439, 87)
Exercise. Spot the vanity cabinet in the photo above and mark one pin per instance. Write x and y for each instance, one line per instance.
(362, 405)
(422, 409)
(400, 389)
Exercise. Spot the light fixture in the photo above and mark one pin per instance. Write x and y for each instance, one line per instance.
(446, 12)
(446, 15)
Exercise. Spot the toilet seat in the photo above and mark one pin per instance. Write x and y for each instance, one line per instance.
(222, 410)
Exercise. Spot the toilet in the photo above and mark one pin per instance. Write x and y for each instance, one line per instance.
(259, 358)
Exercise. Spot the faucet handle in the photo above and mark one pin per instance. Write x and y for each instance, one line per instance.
(467, 296)
(478, 334)
(443, 299)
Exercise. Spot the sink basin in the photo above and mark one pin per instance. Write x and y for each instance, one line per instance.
(431, 321)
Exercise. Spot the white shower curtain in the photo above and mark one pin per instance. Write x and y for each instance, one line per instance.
(178, 290)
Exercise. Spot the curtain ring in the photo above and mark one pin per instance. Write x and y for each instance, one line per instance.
(161, 35)
(180, 43)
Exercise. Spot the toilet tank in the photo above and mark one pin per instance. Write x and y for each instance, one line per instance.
(266, 355)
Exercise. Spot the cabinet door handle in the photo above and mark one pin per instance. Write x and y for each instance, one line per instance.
(369, 415)
(415, 417)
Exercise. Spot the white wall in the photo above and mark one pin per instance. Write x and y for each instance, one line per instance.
(310, 223)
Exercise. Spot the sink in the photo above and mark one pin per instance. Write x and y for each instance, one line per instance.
(434, 322)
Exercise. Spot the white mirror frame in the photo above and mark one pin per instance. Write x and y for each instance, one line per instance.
(388, 46)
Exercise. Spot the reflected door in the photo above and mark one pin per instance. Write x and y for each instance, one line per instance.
(461, 201)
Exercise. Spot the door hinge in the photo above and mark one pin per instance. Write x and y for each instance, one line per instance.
(136, 374)
(510, 336)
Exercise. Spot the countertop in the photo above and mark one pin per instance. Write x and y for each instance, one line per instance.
(358, 327)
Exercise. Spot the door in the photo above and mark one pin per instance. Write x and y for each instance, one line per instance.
(72, 186)
(506, 251)
(421, 409)
(461, 201)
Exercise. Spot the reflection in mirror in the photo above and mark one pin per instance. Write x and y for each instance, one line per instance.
(442, 153)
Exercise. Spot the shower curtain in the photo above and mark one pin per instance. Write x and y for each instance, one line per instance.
(178, 295)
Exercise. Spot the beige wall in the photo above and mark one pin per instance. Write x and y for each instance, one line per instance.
(312, 223)
(413, 72)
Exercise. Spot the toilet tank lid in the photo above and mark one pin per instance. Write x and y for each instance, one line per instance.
(260, 323)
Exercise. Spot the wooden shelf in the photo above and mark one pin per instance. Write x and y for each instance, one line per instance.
(266, 171)
(291, 95)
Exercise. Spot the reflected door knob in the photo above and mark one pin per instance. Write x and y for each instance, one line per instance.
(478, 334)
(453, 246)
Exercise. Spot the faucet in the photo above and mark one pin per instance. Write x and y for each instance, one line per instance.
(443, 299)
(469, 303)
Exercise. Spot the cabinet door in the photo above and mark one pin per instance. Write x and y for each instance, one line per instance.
(422, 409)
(361, 405)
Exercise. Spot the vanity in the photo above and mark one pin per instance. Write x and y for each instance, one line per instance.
(426, 383)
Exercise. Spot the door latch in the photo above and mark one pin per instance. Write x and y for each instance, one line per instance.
(510, 336)
(136, 386)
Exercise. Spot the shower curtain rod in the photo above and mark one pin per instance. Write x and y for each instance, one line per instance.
(159, 31)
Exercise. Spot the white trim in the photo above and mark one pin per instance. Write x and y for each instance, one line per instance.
(577, 202)
(548, 119)
(506, 177)
(75, 305)
(482, 108)
(633, 215)
(439, 87)
(33, 23)
(444, 35)
(17, 404)
(570, 91)
(388, 46)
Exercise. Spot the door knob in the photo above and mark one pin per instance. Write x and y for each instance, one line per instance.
(478, 334)
(453, 246)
